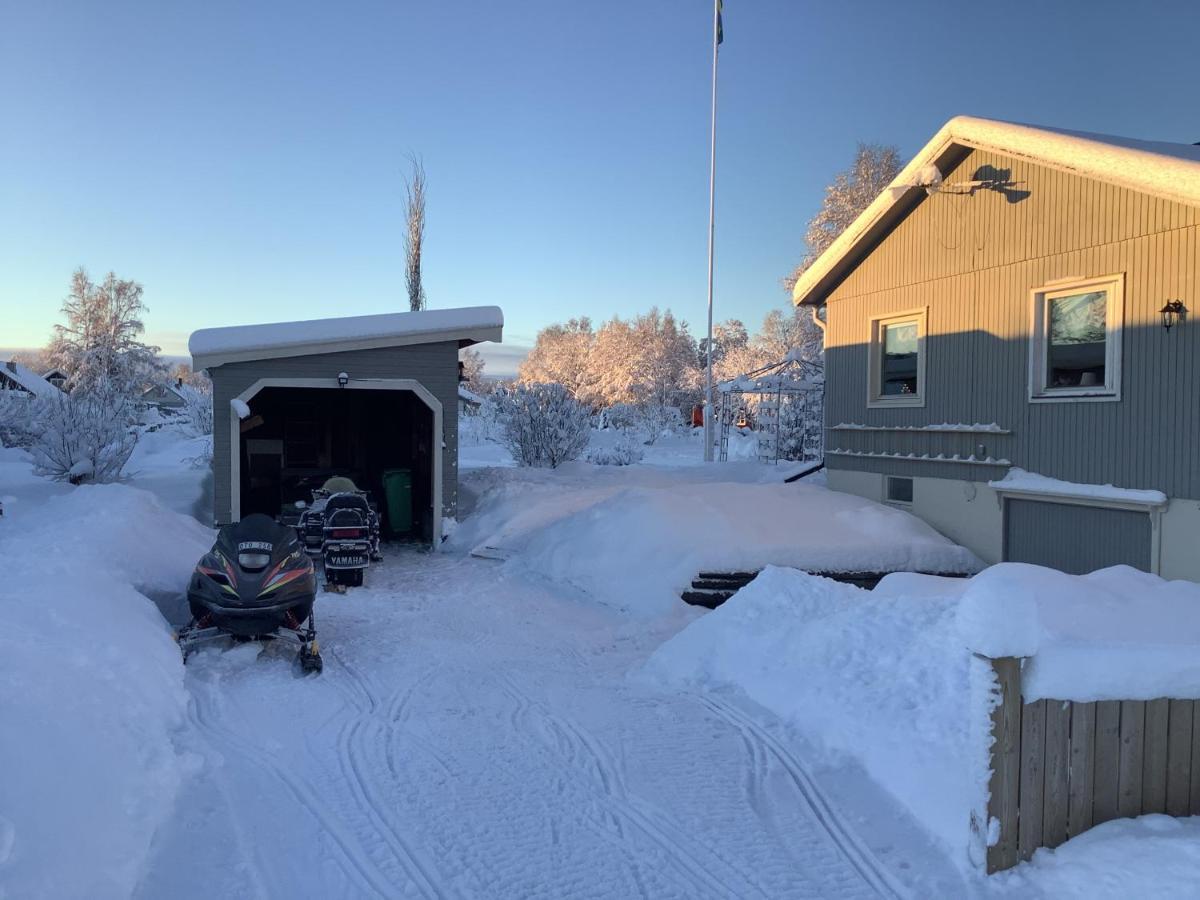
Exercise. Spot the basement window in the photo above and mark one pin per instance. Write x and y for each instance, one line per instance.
(899, 490)
(1075, 351)
(896, 360)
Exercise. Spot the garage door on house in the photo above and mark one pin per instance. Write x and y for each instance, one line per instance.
(1075, 538)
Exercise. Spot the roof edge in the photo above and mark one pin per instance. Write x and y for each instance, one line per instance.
(1173, 178)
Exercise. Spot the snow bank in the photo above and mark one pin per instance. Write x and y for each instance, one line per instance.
(880, 676)
(1115, 634)
(93, 688)
(1152, 858)
(634, 540)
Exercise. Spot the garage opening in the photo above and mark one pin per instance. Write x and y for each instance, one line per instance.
(297, 437)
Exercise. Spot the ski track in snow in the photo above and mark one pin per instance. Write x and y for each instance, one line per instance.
(474, 734)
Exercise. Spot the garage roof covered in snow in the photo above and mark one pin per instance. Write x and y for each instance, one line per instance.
(212, 347)
(1167, 170)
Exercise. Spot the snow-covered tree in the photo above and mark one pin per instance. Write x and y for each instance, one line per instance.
(99, 346)
(472, 370)
(625, 452)
(83, 437)
(852, 191)
(561, 355)
(197, 406)
(543, 425)
(801, 425)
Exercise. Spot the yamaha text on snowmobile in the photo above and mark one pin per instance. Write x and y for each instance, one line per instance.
(256, 582)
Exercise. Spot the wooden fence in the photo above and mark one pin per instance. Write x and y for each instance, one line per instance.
(1060, 767)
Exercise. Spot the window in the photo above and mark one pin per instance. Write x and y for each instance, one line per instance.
(1075, 353)
(897, 360)
(899, 490)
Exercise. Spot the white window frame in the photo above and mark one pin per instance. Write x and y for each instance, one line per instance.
(875, 398)
(1110, 391)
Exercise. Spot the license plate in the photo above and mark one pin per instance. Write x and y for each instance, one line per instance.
(347, 562)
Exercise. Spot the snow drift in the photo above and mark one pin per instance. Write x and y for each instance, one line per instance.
(93, 688)
(634, 538)
(881, 676)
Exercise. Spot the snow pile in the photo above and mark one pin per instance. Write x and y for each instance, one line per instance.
(1151, 857)
(635, 540)
(93, 687)
(1117, 633)
(880, 676)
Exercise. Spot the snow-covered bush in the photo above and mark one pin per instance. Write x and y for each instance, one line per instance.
(622, 416)
(801, 425)
(82, 437)
(197, 405)
(542, 425)
(657, 419)
(625, 452)
(16, 418)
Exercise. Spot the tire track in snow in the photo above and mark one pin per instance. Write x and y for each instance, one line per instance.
(351, 764)
(841, 834)
(352, 860)
(583, 754)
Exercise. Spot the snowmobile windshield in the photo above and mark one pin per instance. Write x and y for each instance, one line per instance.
(339, 484)
(256, 540)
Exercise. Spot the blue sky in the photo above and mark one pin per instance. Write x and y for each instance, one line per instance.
(245, 161)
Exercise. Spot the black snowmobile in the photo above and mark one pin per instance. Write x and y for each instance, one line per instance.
(256, 582)
(311, 524)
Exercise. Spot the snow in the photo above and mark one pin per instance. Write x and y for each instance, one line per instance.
(312, 334)
(93, 687)
(1019, 480)
(469, 396)
(877, 678)
(971, 459)
(240, 407)
(1152, 858)
(634, 537)
(1114, 634)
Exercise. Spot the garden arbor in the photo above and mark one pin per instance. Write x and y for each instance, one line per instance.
(782, 404)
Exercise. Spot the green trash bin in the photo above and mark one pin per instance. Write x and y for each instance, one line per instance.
(397, 492)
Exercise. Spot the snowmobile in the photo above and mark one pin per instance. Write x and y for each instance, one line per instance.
(256, 582)
(311, 525)
(346, 539)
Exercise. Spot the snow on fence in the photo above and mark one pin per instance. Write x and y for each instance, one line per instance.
(1061, 767)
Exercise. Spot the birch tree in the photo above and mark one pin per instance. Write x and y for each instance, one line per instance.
(414, 237)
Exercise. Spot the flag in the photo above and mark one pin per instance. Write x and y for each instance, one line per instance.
(720, 24)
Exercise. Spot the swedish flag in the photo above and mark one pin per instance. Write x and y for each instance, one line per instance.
(720, 24)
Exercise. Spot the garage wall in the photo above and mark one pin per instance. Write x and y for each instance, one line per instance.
(434, 365)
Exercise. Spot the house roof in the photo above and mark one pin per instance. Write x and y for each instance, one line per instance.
(1170, 171)
(29, 379)
(212, 347)
(469, 396)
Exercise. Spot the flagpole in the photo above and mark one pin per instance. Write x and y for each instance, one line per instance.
(712, 184)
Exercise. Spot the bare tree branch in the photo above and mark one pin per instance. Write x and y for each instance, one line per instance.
(415, 235)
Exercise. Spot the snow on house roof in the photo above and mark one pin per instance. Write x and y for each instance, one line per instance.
(1167, 170)
(212, 347)
(29, 379)
(469, 396)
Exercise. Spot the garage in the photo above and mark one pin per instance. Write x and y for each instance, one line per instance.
(372, 398)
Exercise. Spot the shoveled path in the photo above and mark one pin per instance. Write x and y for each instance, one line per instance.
(479, 735)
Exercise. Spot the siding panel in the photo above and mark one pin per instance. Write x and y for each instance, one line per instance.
(973, 261)
(1076, 539)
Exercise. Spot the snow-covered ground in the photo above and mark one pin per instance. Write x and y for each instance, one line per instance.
(486, 728)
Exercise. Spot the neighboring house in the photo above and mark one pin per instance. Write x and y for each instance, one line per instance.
(1011, 320)
(363, 396)
(56, 377)
(16, 377)
(468, 402)
(166, 397)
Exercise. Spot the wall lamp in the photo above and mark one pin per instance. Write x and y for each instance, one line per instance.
(1173, 311)
(344, 379)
